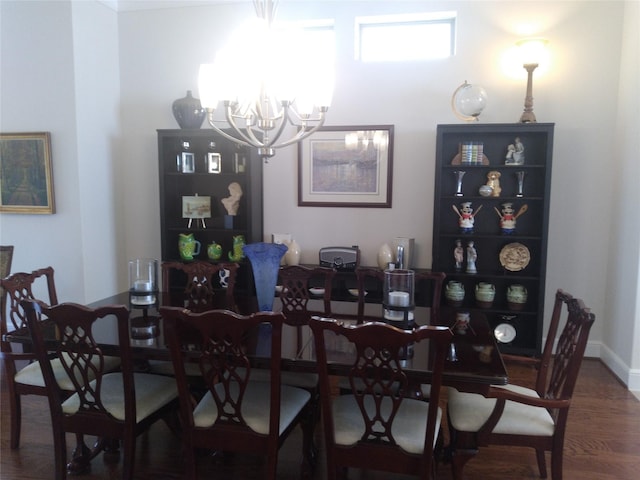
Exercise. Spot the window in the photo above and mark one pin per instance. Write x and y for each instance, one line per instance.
(421, 36)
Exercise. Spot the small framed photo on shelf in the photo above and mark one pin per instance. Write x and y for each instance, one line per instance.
(214, 162)
(196, 207)
(186, 162)
(239, 163)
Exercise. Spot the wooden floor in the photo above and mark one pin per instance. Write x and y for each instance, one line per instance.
(603, 443)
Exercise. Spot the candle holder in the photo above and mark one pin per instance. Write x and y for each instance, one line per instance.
(398, 301)
(143, 281)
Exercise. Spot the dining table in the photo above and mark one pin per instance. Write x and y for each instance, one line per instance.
(473, 363)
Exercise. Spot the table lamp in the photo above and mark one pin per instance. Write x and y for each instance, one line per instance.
(532, 51)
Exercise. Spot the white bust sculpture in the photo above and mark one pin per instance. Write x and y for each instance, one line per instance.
(232, 202)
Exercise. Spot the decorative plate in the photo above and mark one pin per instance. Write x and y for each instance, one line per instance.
(514, 257)
(505, 333)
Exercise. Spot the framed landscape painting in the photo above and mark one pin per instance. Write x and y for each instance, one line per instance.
(346, 167)
(26, 179)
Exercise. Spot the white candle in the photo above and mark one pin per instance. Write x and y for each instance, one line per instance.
(399, 299)
(142, 286)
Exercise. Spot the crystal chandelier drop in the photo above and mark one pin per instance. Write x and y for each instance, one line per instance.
(266, 79)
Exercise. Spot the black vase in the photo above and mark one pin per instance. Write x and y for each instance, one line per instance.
(188, 111)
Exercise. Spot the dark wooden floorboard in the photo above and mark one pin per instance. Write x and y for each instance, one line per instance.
(603, 443)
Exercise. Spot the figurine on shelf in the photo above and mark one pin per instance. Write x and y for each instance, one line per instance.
(493, 181)
(232, 202)
(237, 254)
(515, 153)
(472, 257)
(508, 218)
(458, 255)
(466, 216)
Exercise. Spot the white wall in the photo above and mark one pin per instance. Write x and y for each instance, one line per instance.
(621, 335)
(159, 54)
(38, 94)
(60, 75)
(97, 89)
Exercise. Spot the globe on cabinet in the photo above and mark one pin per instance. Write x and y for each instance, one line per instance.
(468, 101)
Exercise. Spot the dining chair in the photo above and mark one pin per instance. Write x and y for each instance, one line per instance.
(204, 285)
(6, 256)
(28, 379)
(110, 405)
(366, 279)
(298, 285)
(431, 282)
(201, 287)
(376, 425)
(520, 416)
(237, 413)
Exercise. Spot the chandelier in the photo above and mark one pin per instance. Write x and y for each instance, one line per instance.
(267, 78)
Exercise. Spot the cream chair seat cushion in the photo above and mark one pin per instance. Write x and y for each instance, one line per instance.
(152, 393)
(255, 406)
(32, 373)
(469, 411)
(409, 425)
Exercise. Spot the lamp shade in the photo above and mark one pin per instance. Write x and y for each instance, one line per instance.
(532, 51)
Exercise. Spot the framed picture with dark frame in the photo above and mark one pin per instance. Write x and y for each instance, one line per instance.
(346, 166)
(26, 178)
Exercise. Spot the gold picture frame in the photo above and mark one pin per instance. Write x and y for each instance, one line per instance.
(26, 178)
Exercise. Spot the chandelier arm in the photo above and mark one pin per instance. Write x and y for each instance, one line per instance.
(248, 138)
(212, 124)
(302, 133)
(283, 122)
(301, 120)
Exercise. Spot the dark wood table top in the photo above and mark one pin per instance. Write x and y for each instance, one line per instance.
(473, 365)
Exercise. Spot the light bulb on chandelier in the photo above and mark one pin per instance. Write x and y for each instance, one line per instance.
(267, 78)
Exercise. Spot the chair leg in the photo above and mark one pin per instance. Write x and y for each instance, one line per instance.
(272, 464)
(542, 463)
(60, 453)
(458, 460)
(556, 463)
(308, 425)
(190, 461)
(80, 457)
(128, 456)
(15, 408)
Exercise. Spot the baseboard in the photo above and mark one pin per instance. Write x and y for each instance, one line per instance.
(630, 377)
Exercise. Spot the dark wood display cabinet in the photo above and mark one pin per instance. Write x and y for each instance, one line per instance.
(202, 163)
(509, 261)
